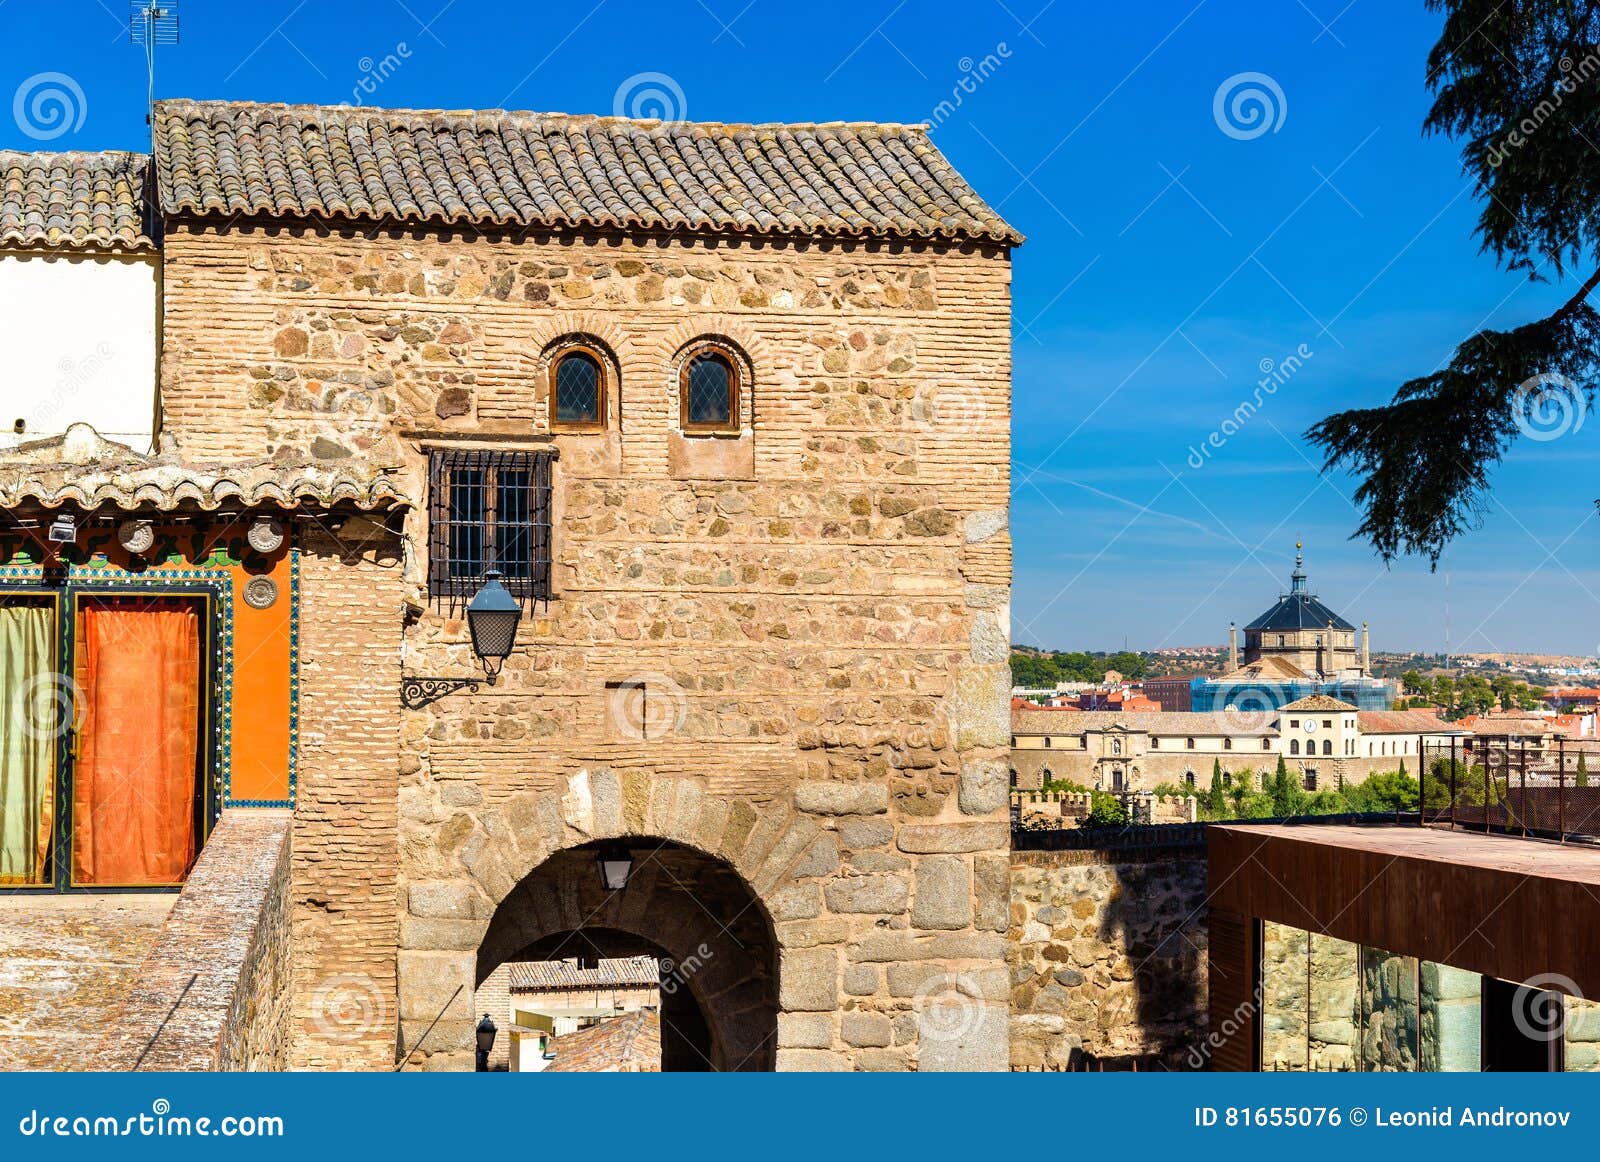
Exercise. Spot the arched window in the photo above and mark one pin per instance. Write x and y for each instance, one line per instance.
(1266, 744)
(1047, 742)
(579, 388)
(1013, 778)
(708, 391)
(1188, 777)
(1327, 747)
(1189, 743)
(1294, 746)
(1227, 744)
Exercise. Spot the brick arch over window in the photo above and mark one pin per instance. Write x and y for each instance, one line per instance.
(553, 332)
(447, 924)
(745, 349)
(610, 367)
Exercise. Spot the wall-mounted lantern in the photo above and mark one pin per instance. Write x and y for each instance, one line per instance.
(492, 621)
(615, 862)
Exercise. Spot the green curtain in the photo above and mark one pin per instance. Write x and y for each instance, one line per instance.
(28, 717)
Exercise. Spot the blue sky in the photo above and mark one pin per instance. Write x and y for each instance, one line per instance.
(1168, 258)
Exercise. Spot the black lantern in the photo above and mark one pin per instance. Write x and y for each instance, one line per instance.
(493, 618)
(486, 1032)
(616, 865)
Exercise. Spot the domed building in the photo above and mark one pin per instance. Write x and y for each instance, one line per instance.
(1303, 632)
(1297, 649)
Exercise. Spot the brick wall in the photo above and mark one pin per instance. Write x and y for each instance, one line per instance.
(823, 602)
(345, 822)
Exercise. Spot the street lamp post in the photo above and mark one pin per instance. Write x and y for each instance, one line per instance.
(486, 1032)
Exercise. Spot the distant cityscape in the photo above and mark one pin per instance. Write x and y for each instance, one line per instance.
(1295, 715)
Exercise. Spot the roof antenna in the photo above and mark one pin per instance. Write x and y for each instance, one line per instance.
(152, 22)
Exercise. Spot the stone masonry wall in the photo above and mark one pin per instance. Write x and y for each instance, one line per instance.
(819, 607)
(214, 992)
(1107, 951)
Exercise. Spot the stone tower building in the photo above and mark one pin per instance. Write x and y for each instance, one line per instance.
(728, 408)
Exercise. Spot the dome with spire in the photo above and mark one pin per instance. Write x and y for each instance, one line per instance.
(1301, 635)
(1299, 608)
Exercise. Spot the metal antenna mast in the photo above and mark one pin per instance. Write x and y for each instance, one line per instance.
(150, 23)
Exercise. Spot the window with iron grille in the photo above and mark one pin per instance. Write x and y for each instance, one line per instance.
(488, 510)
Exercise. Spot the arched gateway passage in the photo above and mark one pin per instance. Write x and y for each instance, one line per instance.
(689, 910)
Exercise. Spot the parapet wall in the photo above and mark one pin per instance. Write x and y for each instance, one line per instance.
(214, 993)
(1107, 948)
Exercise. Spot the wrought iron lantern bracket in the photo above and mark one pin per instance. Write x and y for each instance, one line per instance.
(415, 693)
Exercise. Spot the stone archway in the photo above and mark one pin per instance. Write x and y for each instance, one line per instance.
(691, 911)
(495, 849)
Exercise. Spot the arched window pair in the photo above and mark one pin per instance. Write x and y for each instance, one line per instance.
(583, 381)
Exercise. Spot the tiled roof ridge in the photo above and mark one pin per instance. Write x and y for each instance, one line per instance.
(532, 116)
(564, 172)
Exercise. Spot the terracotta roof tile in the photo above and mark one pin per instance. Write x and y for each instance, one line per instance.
(1163, 722)
(536, 975)
(627, 1044)
(1405, 722)
(73, 201)
(85, 470)
(494, 167)
(1318, 702)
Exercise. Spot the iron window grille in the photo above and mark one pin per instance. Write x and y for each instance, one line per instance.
(488, 509)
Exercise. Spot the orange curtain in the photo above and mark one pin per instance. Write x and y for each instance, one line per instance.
(134, 785)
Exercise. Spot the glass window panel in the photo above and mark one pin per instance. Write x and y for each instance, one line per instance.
(577, 389)
(1582, 1036)
(1389, 1012)
(1335, 1004)
(1284, 964)
(710, 390)
(1452, 1019)
(514, 530)
(466, 522)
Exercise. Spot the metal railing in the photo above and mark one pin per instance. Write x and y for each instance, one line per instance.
(1532, 785)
